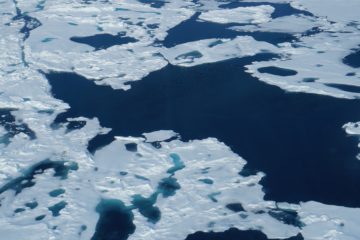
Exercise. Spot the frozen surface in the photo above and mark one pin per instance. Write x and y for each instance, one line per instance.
(353, 129)
(207, 170)
(317, 57)
(241, 15)
(215, 50)
(299, 24)
(160, 135)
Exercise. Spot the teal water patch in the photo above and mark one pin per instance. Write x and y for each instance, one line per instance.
(56, 192)
(146, 207)
(63, 170)
(115, 222)
(141, 177)
(207, 181)
(40, 217)
(82, 229)
(212, 196)
(56, 208)
(45, 40)
(168, 186)
(32, 205)
(26, 180)
(178, 164)
(18, 210)
(205, 170)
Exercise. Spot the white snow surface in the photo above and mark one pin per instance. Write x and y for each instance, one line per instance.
(242, 15)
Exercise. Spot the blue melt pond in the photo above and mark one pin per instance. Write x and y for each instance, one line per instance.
(178, 164)
(168, 187)
(115, 222)
(146, 207)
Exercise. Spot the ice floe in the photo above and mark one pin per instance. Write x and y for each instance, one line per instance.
(353, 129)
(241, 15)
(215, 50)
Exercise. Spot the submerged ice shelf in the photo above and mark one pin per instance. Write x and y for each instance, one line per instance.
(158, 182)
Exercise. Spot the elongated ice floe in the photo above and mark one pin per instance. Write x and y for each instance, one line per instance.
(215, 50)
(160, 135)
(296, 24)
(241, 15)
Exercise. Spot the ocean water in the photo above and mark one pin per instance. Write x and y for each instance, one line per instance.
(194, 30)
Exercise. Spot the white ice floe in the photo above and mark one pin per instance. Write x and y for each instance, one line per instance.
(215, 50)
(319, 58)
(240, 15)
(49, 47)
(160, 135)
(293, 24)
(334, 10)
(353, 129)
(202, 159)
(329, 222)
